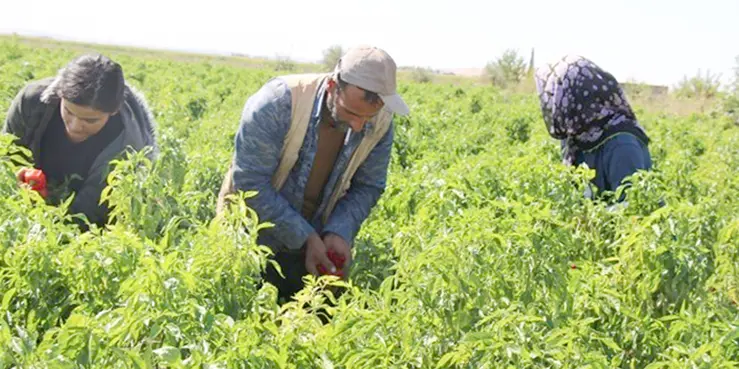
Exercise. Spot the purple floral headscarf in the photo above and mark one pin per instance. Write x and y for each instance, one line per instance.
(583, 105)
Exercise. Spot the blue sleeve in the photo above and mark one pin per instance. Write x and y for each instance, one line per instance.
(265, 121)
(366, 188)
(624, 156)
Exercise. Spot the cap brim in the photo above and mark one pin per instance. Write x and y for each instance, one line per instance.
(396, 104)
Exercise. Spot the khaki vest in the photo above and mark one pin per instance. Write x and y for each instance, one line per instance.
(303, 88)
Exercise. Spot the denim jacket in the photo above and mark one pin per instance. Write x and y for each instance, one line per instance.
(265, 121)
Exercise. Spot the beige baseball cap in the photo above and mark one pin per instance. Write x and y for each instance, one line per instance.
(372, 69)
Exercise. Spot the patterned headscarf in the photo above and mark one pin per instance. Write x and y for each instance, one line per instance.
(583, 105)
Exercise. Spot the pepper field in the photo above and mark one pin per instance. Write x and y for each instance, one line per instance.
(482, 253)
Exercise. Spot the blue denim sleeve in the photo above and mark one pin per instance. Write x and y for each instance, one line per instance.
(624, 156)
(265, 121)
(366, 188)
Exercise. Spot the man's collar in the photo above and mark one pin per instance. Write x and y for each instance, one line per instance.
(320, 97)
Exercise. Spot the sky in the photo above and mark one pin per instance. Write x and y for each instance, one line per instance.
(652, 41)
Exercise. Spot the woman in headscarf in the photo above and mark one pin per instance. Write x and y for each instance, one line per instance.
(585, 107)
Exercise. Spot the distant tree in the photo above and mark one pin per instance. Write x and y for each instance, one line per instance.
(284, 63)
(699, 86)
(735, 82)
(731, 102)
(509, 68)
(530, 71)
(331, 56)
(421, 75)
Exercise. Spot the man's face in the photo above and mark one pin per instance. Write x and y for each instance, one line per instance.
(82, 122)
(348, 107)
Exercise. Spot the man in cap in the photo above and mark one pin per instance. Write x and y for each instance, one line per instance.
(316, 148)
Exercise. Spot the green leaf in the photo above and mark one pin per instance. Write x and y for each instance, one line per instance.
(168, 354)
(611, 344)
(478, 336)
(7, 297)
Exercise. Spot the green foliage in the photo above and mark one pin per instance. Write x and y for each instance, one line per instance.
(699, 86)
(421, 75)
(482, 253)
(284, 64)
(518, 129)
(331, 57)
(508, 69)
(735, 81)
(731, 102)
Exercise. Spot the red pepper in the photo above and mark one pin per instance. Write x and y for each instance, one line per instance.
(338, 261)
(321, 269)
(36, 179)
(336, 258)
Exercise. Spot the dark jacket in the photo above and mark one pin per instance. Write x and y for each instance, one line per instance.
(618, 157)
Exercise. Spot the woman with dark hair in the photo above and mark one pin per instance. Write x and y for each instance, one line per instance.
(74, 124)
(585, 107)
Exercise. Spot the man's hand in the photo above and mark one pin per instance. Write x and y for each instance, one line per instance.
(336, 244)
(315, 255)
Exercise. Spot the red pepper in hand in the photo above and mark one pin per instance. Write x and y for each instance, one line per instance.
(36, 179)
(336, 258)
(339, 273)
(338, 261)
